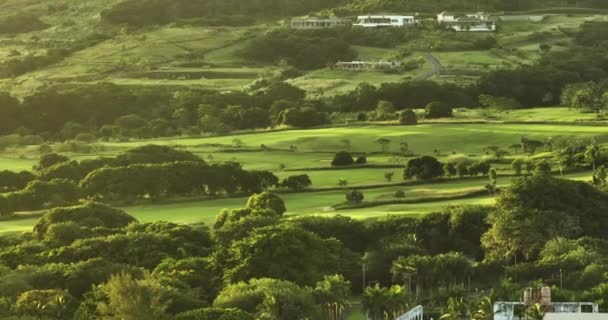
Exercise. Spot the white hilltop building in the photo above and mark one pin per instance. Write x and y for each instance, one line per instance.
(368, 65)
(308, 23)
(378, 21)
(469, 22)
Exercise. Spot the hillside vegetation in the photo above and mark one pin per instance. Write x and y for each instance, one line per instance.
(203, 160)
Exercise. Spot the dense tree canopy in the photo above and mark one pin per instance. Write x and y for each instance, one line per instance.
(535, 209)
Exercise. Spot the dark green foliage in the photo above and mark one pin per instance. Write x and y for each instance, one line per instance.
(9, 110)
(155, 154)
(592, 33)
(449, 169)
(195, 272)
(50, 159)
(159, 12)
(232, 225)
(342, 158)
(260, 295)
(361, 160)
(354, 196)
(304, 117)
(21, 23)
(352, 233)
(284, 252)
(215, 314)
(482, 168)
(423, 168)
(11, 181)
(408, 117)
(436, 110)
(138, 249)
(174, 178)
(297, 183)
(467, 225)
(302, 49)
(414, 94)
(38, 195)
(267, 201)
(540, 207)
(89, 215)
(543, 167)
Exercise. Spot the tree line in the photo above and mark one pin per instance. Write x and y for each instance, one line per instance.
(92, 261)
(140, 13)
(148, 172)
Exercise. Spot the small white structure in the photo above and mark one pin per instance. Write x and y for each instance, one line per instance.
(369, 65)
(376, 21)
(415, 314)
(562, 310)
(479, 21)
(579, 316)
(318, 23)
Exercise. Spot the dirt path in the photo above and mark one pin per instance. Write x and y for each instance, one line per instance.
(437, 67)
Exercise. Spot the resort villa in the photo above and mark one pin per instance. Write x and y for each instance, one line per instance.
(376, 21)
(318, 23)
(467, 22)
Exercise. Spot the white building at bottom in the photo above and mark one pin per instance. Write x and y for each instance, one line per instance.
(578, 316)
(509, 310)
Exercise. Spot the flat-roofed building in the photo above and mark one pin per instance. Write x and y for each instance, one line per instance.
(318, 23)
(377, 21)
(576, 316)
(369, 65)
(478, 21)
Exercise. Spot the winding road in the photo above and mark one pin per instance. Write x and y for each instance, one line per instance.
(437, 67)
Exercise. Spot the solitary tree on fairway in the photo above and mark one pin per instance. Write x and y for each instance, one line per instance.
(388, 176)
(517, 165)
(423, 168)
(354, 196)
(384, 143)
(408, 117)
(342, 158)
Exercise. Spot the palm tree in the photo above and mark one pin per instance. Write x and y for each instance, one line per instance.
(332, 293)
(592, 153)
(457, 310)
(403, 272)
(269, 308)
(397, 301)
(536, 312)
(374, 302)
(485, 309)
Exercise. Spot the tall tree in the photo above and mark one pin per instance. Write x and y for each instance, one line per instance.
(129, 298)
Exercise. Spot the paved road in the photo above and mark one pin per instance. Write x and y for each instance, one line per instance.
(437, 67)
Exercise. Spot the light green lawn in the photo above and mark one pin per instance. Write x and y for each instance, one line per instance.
(422, 139)
(553, 114)
(15, 164)
(371, 53)
(317, 203)
(475, 60)
(327, 82)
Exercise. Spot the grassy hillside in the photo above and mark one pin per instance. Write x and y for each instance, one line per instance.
(185, 54)
(314, 150)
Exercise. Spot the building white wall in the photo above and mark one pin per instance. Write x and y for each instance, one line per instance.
(443, 17)
(384, 21)
(484, 27)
